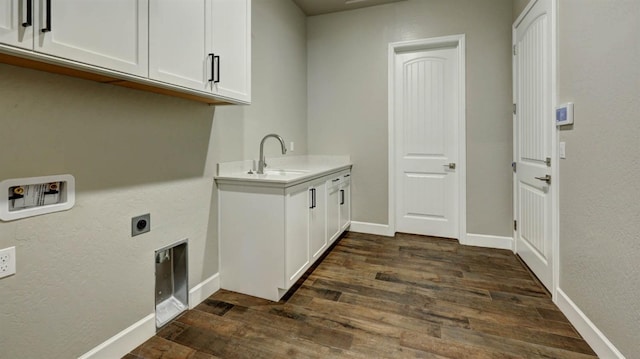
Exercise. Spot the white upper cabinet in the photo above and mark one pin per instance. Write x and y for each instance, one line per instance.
(199, 47)
(16, 23)
(106, 33)
(231, 26)
(203, 45)
(180, 42)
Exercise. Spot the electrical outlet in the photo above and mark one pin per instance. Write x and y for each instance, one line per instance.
(140, 224)
(7, 262)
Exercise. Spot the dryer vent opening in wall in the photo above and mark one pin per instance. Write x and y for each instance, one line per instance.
(171, 282)
(27, 197)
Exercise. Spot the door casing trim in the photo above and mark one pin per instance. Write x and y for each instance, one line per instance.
(457, 42)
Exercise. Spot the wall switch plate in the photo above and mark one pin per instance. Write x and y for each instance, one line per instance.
(140, 224)
(563, 150)
(7, 262)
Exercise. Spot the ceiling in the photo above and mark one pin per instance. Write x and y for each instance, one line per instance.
(317, 7)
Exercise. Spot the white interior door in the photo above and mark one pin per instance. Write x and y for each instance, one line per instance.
(533, 135)
(426, 142)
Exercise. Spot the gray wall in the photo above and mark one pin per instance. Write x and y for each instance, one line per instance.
(348, 98)
(80, 277)
(599, 188)
(518, 6)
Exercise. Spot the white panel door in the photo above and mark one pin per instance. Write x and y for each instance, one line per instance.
(108, 33)
(16, 23)
(232, 48)
(533, 126)
(426, 141)
(181, 54)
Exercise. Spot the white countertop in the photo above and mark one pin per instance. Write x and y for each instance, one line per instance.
(281, 171)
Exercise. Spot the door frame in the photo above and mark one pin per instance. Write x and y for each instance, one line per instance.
(555, 139)
(457, 42)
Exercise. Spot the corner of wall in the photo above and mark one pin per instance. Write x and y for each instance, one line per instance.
(591, 334)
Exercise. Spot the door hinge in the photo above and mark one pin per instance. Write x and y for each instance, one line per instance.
(514, 166)
(515, 108)
(515, 50)
(515, 225)
(548, 161)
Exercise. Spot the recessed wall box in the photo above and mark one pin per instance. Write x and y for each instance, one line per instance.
(26, 197)
(171, 282)
(564, 114)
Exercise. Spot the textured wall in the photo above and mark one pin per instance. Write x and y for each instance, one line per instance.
(348, 98)
(599, 189)
(80, 277)
(518, 6)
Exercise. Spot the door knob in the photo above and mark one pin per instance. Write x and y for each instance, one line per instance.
(451, 166)
(546, 178)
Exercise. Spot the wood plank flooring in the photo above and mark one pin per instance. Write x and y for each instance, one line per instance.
(378, 297)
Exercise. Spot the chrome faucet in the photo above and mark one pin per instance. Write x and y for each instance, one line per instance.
(261, 163)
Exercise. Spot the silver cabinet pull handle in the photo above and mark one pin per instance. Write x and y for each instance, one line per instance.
(451, 166)
(546, 178)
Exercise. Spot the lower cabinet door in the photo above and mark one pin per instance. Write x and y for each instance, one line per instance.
(345, 205)
(333, 213)
(318, 220)
(297, 235)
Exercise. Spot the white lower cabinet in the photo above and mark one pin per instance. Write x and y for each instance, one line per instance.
(270, 235)
(338, 205)
(296, 246)
(317, 219)
(333, 208)
(345, 201)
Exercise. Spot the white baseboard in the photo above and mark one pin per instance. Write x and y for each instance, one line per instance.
(483, 240)
(125, 341)
(371, 228)
(203, 290)
(591, 334)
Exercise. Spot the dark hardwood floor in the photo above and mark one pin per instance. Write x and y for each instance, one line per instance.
(377, 297)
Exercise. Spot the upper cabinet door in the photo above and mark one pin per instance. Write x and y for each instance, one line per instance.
(16, 23)
(180, 43)
(232, 49)
(108, 33)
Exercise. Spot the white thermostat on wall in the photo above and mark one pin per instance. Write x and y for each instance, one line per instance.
(564, 114)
